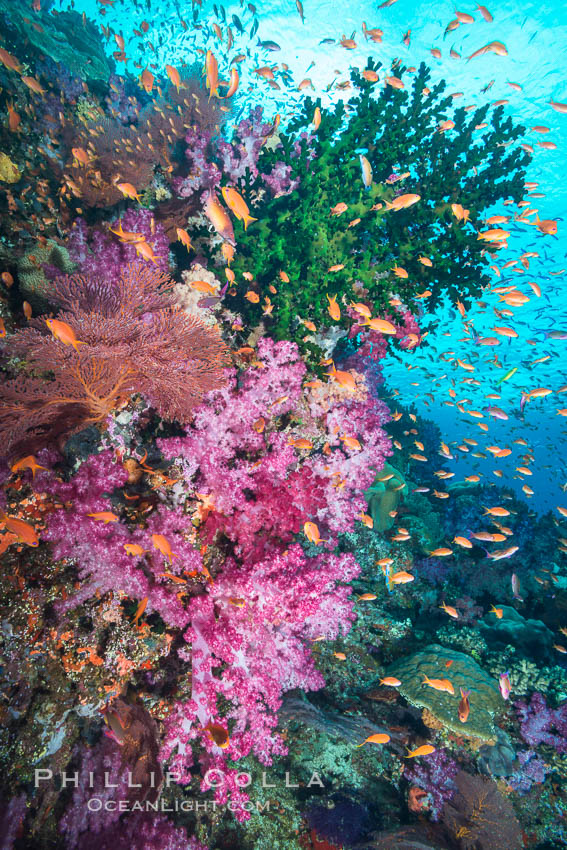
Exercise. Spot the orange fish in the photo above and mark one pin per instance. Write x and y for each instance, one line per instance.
(424, 750)
(218, 734)
(377, 738)
(237, 205)
(140, 610)
(333, 309)
(345, 379)
(312, 533)
(497, 511)
(33, 85)
(402, 577)
(439, 684)
(163, 545)
(218, 218)
(173, 75)
(464, 707)
(14, 119)
(233, 83)
(390, 681)
(134, 549)
(452, 612)
(493, 47)
(212, 74)
(402, 202)
(184, 237)
(24, 532)
(63, 332)
(147, 80)
(128, 191)
(10, 62)
(104, 516)
(28, 462)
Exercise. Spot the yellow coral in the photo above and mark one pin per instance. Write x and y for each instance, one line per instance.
(9, 171)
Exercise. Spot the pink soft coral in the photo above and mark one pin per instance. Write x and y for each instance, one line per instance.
(254, 627)
(239, 453)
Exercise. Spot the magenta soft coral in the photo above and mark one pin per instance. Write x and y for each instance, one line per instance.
(262, 489)
(254, 627)
(375, 344)
(98, 548)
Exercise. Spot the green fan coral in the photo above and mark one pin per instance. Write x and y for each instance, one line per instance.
(398, 130)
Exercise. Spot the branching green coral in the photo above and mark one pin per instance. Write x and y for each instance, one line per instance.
(399, 130)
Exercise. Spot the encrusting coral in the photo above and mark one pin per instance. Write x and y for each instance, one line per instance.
(485, 699)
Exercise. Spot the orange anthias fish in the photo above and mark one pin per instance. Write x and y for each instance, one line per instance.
(134, 549)
(184, 237)
(10, 62)
(173, 75)
(147, 80)
(377, 738)
(233, 83)
(212, 74)
(452, 612)
(63, 332)
(493, 47)
(28, 462)
(218, 734)
(402, 202)
(237, 205)
(140, 610)
(424, 750)
(25, 532)
(464, 707)
(163, 545)
(128, 191)
(219, 219)
(14, 119)
(345, 379)
(439, 684)
(104, 516)
(312, 533)
(333, 309)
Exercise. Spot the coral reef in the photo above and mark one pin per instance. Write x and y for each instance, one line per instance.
(464, 672)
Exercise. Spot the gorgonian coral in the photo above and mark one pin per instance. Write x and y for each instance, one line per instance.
(133, 340)
(478, 817)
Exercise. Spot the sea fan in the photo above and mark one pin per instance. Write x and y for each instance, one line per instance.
(134, 341)
(479, 817)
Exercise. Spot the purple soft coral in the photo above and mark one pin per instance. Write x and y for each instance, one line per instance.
(102, 254)
(540, 724)
(435, 775)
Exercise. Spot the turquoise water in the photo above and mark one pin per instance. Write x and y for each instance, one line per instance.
(535, 35)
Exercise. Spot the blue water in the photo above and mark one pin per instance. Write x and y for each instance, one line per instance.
(535, 35)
